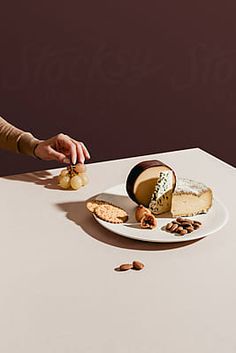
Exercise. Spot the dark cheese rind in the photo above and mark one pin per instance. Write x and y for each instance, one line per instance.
(137, 170)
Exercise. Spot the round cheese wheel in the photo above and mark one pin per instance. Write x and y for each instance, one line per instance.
(142, 179)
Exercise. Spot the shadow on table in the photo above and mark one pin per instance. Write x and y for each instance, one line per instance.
(43, 178)
(78, 213)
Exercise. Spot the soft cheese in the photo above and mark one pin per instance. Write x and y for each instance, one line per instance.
(162, 195)
(190, 198)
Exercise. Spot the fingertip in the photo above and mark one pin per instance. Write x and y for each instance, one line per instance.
(66, 161)
(81, 160)
(85, 150)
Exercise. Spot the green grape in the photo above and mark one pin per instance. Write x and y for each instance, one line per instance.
(84, 178)
(76, 182)
(64, 181)
(79, 168)
(64, 172)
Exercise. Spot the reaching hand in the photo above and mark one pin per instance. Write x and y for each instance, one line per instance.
(63, 149)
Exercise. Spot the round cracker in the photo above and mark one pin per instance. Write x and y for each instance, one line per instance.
(111, 213)
(92, 204)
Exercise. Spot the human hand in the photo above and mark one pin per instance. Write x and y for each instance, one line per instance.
(63, 149)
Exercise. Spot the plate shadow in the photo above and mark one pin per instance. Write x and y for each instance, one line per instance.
(77, 212)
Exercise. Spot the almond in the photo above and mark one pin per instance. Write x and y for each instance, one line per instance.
(169, 225)
(173, 228)
(125, 267)
(183, 232)
(137, 265)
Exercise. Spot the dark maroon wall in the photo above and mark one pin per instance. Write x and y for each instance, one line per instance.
(126, 77)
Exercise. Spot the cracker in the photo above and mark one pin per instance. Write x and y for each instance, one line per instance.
(92, 204)
(110, 213)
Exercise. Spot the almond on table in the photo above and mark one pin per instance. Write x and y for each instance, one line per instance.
(136, 265)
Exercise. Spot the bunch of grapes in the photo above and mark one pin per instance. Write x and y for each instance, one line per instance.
(74, 176)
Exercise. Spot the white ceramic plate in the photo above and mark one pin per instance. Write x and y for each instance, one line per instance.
(212, 221)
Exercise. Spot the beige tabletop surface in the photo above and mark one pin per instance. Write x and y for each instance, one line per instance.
(59, 292)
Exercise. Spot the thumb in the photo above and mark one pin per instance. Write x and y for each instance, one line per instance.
(60, 157)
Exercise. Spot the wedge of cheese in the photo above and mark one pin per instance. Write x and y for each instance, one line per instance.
(190, 198)
(143, 179)
(162, 196)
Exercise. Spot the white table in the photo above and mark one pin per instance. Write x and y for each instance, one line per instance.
(59, 292)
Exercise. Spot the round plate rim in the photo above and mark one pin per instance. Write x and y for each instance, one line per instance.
(174, 240)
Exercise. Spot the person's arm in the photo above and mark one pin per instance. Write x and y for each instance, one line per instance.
(61, 147)
(16, 140)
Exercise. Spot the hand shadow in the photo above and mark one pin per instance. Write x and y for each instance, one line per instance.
(77, 212)
(42, 177)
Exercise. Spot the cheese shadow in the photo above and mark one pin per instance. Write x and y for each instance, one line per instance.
(78, 213)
